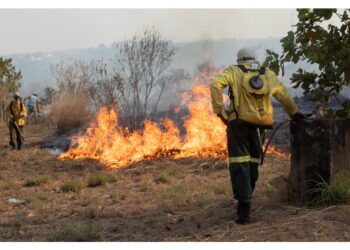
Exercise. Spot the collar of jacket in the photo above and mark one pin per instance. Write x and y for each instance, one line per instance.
(248, 64)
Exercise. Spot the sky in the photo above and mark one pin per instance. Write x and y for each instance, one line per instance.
(34, 30)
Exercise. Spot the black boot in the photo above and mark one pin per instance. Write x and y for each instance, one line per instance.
(243, 213)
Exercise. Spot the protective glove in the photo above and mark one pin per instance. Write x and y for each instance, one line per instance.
(298, 116)
(224, 118)
(20, 114)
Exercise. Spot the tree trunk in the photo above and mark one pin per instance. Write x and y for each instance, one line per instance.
(320, 148)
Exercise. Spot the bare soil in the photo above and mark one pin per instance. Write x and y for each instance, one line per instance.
(160, 200)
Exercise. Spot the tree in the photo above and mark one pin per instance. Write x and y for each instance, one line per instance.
(49, 95)
(9, 82)
(318, 40)
(73, 77)
(135, 83)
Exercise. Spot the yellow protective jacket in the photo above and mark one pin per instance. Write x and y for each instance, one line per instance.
(18, 111)
(251, 105)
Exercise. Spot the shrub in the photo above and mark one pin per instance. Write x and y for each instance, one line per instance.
(70, 111)
(72, 186)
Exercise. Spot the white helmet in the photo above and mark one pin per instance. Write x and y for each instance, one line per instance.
(245, 54)
(16, 94)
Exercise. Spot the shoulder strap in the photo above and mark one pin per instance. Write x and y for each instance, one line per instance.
(262, 70)
(243, 68)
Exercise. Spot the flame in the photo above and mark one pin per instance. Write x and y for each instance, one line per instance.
(274, 151)
(115, 147)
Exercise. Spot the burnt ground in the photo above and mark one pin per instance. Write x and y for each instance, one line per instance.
(159, 200)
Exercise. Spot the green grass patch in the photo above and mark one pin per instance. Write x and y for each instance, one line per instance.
(30, 181)
(176, 194)
(335, 192)
(45, 196)
(10, 185)
(72, 186)
(166, 175)
(204, 199)
(72, 232)
(100, 179)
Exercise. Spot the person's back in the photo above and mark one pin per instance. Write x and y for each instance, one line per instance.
(251, 87)
(33, 106)
(32, 101)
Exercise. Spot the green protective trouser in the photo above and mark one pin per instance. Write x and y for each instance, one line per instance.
(244, 150)
(15, 133)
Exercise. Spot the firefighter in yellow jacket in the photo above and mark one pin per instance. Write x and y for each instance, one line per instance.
(16, 112)
(251, 87)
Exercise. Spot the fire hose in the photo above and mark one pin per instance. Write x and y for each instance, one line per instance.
(263, 151)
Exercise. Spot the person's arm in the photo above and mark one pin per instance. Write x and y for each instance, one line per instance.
(217, 90)
(281, 94)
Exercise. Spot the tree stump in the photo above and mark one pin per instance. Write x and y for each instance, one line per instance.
(320, 148)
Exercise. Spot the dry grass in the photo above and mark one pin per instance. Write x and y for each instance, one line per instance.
(196, 205)
(70, 111)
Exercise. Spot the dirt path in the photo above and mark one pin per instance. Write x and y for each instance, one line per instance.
(160, 200)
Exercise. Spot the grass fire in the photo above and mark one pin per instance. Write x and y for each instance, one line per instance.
(230, 136)
(116, 147)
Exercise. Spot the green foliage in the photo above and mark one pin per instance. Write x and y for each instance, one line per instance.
(272, 62)
(72, 186)
(335, 192)
(318, 41)
(9, 76)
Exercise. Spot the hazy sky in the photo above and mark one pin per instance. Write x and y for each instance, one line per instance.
(31, 30)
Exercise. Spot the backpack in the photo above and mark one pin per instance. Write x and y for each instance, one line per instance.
(254, 102)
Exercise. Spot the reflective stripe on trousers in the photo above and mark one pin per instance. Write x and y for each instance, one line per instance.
(245, 158)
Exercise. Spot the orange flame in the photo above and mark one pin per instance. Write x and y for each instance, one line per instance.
(116, 147)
